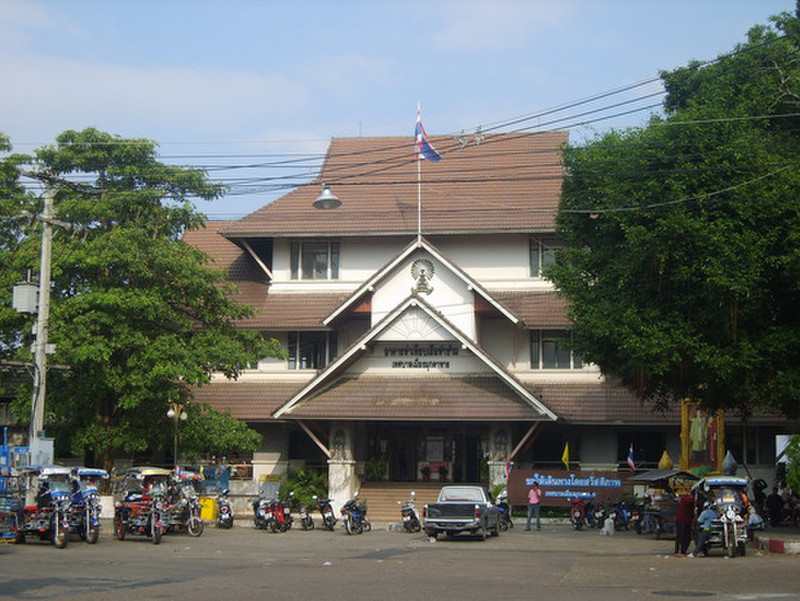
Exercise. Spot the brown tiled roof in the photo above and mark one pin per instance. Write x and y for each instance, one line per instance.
(415, 398)
(599, 402)
(251, 401)
(536, 309)
(287, 311)
(508, 183)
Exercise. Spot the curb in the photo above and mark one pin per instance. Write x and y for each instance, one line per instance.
(777, 545)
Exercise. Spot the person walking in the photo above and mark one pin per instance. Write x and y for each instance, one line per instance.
(683, 524)
(534, 504)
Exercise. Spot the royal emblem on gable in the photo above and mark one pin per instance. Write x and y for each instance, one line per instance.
(422, 271)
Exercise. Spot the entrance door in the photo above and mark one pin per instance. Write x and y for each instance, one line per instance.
(466, 457)
(403, 456)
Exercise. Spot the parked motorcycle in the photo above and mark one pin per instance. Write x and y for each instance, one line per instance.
(49, 518)
(410, 515)
(622, 516)
(224, 511)
(185, 511)
(281, 515)
(504, 510)
(306, 521)
(354, 516)
(262, 512)
(84, 513)
(326, 510)
(141, 503)
(577, 513)
(11, 500)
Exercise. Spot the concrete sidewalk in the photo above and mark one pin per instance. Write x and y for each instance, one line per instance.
(783, 539)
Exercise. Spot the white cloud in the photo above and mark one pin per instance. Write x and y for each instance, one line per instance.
(72, 94)
(497, 25)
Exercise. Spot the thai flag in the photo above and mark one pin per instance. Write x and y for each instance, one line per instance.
(631, 463)
(425, 149)
(507, 468)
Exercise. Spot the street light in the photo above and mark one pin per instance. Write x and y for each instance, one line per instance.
(327, 200)
(176, 412)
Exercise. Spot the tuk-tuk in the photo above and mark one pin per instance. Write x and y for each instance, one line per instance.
(49, 518)
(727, 496)
(11, 500)
(140, 502)
(84, 514)
(185, 508)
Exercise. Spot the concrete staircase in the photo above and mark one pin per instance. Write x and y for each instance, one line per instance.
(382, 498)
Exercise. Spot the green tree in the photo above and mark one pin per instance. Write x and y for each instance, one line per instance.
(139, 317)
(681, 262)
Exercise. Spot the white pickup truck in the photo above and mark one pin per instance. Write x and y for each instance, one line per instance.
(461, 509)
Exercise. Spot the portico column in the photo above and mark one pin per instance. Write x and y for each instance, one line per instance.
(342, 478)
(500, 447)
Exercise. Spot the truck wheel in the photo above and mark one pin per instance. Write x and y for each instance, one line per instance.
(431, 534)
(496, 530)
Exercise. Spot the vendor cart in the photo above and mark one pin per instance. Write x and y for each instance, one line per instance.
(662, 488)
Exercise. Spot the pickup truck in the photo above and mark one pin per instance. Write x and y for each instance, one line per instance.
(460, 509)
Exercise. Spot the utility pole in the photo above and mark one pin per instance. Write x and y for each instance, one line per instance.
(41, 450)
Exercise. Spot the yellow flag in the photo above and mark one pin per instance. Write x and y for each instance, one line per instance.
(565, 456)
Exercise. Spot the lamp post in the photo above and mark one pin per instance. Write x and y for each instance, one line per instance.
(176, 412)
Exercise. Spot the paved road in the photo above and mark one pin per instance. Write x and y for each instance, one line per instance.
(554, 564)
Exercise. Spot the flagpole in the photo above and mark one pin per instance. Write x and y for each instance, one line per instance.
(419, 200)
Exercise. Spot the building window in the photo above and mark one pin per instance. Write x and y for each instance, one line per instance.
(542, 254)
(315, 260)
(311, 350)
(551, 349)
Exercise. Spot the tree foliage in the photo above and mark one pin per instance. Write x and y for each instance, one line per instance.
(681, 261)
(138, 316)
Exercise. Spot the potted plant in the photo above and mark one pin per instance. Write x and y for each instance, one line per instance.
(375, 468)
(443, 473)
(425, 470)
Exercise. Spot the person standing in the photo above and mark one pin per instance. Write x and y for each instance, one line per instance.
(534, 504)
(774, 505)
(683, 524)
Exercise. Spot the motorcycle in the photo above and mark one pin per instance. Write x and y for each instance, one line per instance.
(326, 510)
(11, 500)
(306, 521)
(224, 511)
(185, 509)
(280, 514)
(262, 512)
(141, 503)
(622, 516)
(410, 515)
(504, 510)
(354, 516)
(84, 513)
(727, 495)
(49, 518)
(577, 513)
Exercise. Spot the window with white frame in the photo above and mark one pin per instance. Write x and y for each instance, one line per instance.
(542, 254)
(314, 260)
(551, 349)
(311, 350)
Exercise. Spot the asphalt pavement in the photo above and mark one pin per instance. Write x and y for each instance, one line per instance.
(386, 564)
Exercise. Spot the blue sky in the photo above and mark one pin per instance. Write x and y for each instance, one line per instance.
(224, 84)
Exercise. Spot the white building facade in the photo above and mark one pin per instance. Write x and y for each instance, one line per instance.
(422, 340)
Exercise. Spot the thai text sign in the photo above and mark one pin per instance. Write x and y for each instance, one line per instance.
(559, 486)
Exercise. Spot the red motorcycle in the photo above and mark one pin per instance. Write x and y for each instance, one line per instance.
(281, 515)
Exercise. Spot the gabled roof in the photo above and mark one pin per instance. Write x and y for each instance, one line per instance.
(423, 244)
(507, 183)
(327, 376)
